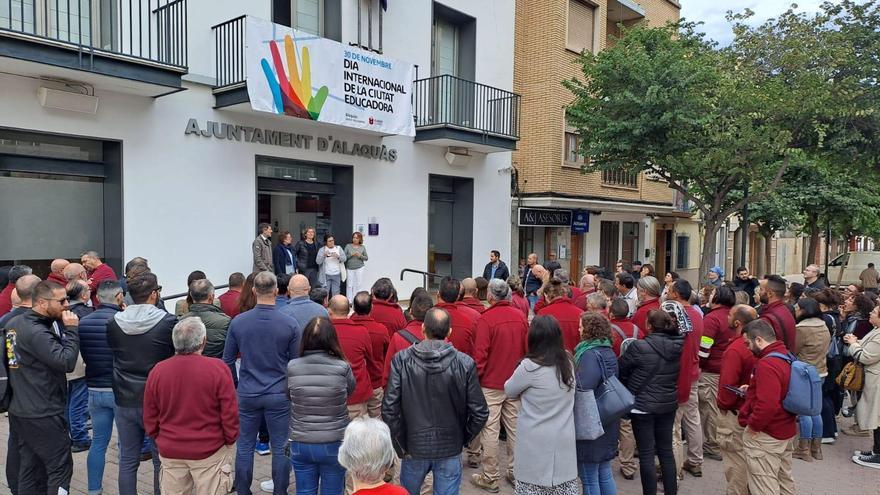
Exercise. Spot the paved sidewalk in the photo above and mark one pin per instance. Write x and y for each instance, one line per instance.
(836, 474)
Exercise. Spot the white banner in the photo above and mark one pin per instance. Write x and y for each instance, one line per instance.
(294, 73)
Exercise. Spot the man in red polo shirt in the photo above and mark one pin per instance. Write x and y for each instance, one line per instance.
(771, 293)
(716, 337)
(354, 339)
(767, 444)
(409, 334)
(379, 339)
(384, 311)
(469, 295)
(502, 342)
(560, 306)
(229, 299)
(737, 363)
(463, 319)
(194, 421)
(98, 272)
(688, 415)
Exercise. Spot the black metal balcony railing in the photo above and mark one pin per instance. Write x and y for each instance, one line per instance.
(229, 62)
(152, 30)
(452, 101)
(620, 178)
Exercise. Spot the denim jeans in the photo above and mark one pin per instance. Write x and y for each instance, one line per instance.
(333, 284)
(447, 474)
(597, 478)
(653, 434)
(78, 410)
(130, 428)
(275, 408)
(532, 301)
(314, 464)
(102, 408)
(810, 427)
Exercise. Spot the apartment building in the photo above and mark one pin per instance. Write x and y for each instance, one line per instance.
(557, 211)
(169, 129)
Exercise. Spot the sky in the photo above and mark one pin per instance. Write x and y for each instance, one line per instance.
(712, 12)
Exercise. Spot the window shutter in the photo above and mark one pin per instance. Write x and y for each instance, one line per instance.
(580, 26)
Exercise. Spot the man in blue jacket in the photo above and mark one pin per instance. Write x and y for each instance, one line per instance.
(98, 356)
(267, 340)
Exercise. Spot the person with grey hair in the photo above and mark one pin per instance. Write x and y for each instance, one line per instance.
(194, 422)
(367, 453)
(79, 294)
(216, 322)
(648, 290)
(597, 303)
(502, 334)
(267, 340)
(98, 358)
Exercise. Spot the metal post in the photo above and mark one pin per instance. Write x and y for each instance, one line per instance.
(370, 24)
(745, 226)
(827, 250)
(359, 23)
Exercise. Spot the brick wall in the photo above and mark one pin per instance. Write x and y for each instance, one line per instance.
(541, 63)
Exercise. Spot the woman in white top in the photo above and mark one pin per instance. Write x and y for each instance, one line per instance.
(330, 259)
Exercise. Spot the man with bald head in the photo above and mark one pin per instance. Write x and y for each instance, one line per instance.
(299, 306)
(24, 289)
(15, 273)
(587, 286)
(469, 295)
(354, 339)
(74, 271)
(531, 283)
(737, 363)
(57, 271)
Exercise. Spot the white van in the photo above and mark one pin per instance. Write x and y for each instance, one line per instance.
(845, 269)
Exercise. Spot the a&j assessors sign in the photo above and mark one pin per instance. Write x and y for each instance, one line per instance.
(291, 72)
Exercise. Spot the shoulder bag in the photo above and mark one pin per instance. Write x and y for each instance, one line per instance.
(612, 399)
(587, 422)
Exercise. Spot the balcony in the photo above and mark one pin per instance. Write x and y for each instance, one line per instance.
(624, 10)
(620, 178)
(450, 111)
(128, 46)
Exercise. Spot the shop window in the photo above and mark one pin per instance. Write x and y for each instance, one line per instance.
(682, 248)
(581, 20)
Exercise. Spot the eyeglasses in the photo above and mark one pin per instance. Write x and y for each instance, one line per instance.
(158, 288)
(62, 300)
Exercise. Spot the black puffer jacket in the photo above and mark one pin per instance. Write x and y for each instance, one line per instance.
(433, 402)
(649, 369)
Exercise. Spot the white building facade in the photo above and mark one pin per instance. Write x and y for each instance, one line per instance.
(115, 136)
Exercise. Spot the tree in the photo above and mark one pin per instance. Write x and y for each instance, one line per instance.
(665, 100)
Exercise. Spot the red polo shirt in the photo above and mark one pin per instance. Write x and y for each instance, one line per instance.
(463, 321)
(473, 303)
(101, 273)
(779, 317)
(398, 343)
(640, 317)
(229, 302)
(569, 317)
(737, 364)
(379, 340)
(762, 410)
(355, 341)
(627, 327)
(502, 341)
(388, 314)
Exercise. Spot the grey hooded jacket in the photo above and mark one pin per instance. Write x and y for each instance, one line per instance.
(140, 337)
(318, 385)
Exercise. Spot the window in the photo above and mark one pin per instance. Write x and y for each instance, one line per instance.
(620, 178)
(581, 17)
(682, 245)
(630, 240)
(572, 149)
(306, 15)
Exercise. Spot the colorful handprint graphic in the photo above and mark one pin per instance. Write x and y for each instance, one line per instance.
(292, 93)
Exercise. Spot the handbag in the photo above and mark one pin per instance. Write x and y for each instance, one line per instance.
(613, 399)
(587, 425)
(852, 377)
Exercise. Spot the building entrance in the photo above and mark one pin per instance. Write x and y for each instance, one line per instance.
(451, 227)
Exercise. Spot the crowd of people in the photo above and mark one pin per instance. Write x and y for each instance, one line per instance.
(352, 393)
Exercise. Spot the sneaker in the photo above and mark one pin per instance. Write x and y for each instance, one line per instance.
(267, 486)
(829, 441)
(860, 453)
(696, 471)
(473, 461)
(871, 461)
(80, 447)
(262, 448)
(481, 482)
(847, 412)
